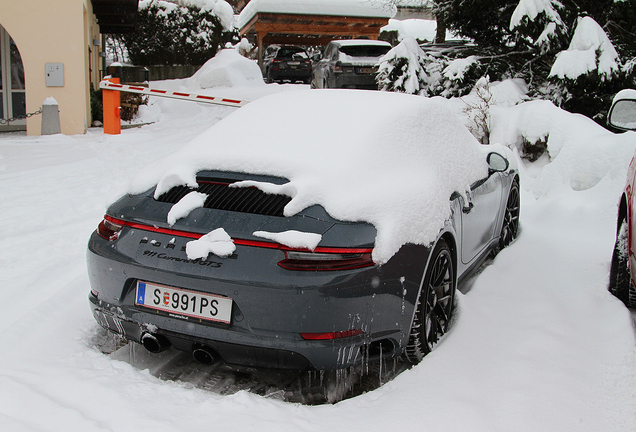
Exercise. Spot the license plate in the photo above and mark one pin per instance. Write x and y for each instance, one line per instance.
(184, 303)
(293, 63)
(366, 70)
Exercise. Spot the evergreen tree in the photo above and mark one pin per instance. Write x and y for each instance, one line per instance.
(402, 69)
(175, 35)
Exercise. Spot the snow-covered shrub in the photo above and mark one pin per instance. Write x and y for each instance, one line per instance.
(478, 110)
(539, 23)
(586, 76)
(188, 34)
(452, 77)
(402, 68)
(408, 69)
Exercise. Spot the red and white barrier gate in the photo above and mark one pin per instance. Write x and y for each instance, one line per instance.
(111, 108)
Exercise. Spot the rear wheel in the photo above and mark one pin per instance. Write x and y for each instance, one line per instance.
(620, 283)
(434, 306)
(510, 225)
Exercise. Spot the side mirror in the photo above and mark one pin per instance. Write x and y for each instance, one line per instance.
(496, 162)
(622, 114)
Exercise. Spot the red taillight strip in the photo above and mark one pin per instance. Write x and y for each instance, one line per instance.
(331, 335)
(254, 243)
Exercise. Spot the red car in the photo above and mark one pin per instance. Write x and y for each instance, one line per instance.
(622, 116)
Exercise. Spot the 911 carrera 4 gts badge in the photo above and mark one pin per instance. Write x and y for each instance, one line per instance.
(165, 256)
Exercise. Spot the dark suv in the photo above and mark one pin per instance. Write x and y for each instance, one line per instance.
(349, 64)
(286, 62)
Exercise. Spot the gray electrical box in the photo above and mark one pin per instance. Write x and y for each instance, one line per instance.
(55, 74)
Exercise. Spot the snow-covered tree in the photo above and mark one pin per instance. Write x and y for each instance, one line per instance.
(403, 68)
(168, 33)
(590, 51)
(539, 23)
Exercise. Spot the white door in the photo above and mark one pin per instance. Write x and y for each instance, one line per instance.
(12, 87)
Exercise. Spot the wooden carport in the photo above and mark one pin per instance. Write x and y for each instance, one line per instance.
(266, 28)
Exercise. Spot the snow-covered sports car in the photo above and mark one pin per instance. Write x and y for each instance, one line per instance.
(251, 248)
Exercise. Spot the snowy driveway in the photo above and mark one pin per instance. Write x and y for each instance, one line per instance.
(538, 345)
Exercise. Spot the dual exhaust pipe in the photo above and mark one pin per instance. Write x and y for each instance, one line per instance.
(156, 343)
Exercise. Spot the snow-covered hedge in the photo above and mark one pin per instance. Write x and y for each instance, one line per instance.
(187, 33)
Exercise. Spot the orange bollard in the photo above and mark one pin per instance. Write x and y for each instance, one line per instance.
(111, 104)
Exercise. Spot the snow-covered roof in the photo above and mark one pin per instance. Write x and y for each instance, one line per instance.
(389, 159)
(354, 8)
(358, 42)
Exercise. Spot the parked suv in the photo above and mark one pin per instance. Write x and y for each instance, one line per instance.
(349, 64)
(286, 62)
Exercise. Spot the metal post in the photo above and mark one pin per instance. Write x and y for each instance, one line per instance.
(111, 109)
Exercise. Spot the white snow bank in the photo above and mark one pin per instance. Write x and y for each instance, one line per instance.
(581, 152)
(354, 8)
(228, 69)
(293, 239)
(216, 242)
(589, 50)
(389, 159)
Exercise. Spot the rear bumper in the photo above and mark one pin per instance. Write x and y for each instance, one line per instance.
(290, 74)
(354, 80)
(230, 353)
(271, 306)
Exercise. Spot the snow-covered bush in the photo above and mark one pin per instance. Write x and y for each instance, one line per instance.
(189, 33)
(478, 110)
(560, 48)
(403, 69)
(584, 77)
(408, 69)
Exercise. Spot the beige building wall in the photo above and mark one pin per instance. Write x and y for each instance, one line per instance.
(56, 31)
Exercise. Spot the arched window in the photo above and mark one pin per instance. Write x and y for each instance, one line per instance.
(12, 85)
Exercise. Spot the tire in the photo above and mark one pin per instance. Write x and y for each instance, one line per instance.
(268, 78)
(510, 225)
(434, 308)
(620, 283)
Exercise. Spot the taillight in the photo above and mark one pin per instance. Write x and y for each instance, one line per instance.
(331, 335)
(109, 228)
(337, 67)
(313, 261)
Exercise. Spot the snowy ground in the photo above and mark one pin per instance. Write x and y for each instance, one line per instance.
(538, 343)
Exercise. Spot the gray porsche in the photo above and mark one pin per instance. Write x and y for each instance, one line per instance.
(252, 247)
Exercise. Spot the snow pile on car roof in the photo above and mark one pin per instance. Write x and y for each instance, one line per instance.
(389, 159)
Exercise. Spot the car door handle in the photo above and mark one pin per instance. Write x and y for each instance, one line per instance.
(467, 209)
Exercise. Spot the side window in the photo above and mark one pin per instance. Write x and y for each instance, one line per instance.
(329, 52)
(334, 53)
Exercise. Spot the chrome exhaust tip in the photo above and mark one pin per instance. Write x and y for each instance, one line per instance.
(155, 343)
(205, 355)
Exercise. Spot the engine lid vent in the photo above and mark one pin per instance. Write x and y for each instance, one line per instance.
(223, 197)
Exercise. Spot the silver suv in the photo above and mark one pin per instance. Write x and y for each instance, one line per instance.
(349, 64)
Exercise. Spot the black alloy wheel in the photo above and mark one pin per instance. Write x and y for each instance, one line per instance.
(620, 283)
(434, 307)
(510, 226)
